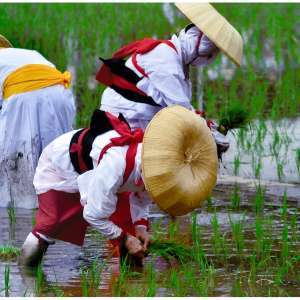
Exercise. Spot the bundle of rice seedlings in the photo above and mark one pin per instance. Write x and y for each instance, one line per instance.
(234, 117)
(169, 250)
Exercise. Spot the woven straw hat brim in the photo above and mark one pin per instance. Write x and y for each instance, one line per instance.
(4, 43)
(215, 27)
(179, 160)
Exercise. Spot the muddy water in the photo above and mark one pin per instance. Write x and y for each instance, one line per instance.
(63, 262)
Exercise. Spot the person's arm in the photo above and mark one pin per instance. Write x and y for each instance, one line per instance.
(166, 82)
(100, 194)
(139, 204)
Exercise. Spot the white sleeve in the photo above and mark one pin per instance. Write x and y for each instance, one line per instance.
(139, 206)
(101, 192)
(166, 82)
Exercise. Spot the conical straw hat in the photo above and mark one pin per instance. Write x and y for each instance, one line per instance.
(4, 43)
(179, 160)
(215, 27)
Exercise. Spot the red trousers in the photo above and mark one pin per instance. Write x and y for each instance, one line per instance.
(60, 216)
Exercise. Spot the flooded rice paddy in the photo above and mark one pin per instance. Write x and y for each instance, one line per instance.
(245, 241)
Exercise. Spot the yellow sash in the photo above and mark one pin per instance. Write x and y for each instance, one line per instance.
(34, 77)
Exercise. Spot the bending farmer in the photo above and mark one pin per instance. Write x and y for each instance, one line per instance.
(148, 75)
(103, 176)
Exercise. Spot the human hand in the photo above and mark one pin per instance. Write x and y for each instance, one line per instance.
(143, 235)
(134, 246)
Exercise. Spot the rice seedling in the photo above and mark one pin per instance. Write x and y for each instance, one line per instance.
(54, 288)
(235, 198)
(9, 252)
(209, 204)
(237, 290)
(119, 284)
(294, 228)
(279, 167)
(6, 277)
(206, 282)
(253, 268)
(218, 240)
(284, 208)
(173, 229)
(276, 144)
(241, 135)
(257, 166)
(259, 234)
(238, 235)
(84, 282)
(284, 254)
(175, 283)
(236, 164)
(195, 229)
(95, 272)
(259, 199)
(197, 250)
(39, 280)
(11, 214)
(151, 281)
(297, 158)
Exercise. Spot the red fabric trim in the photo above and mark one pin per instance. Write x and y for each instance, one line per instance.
(141, 47)
(137, 66)
(130, 48)
(134, 60)
(104, 151)
(116, 242)
(60, 216)
(209, 123)
(128, 137)
(78, 148)
(200, 113)
(142, 222)
(106, 77)
(122, 215)
(130, 161)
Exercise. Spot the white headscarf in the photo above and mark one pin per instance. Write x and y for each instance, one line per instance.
(202, 55)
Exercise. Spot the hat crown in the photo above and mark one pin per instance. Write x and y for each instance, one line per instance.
(179, 160)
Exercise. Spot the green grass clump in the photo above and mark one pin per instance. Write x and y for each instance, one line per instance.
(9, 252)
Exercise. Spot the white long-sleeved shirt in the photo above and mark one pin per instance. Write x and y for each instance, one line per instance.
(166, 84)
(99, 187)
